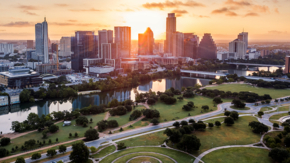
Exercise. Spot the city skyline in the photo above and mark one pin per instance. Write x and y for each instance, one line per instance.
(265, 20)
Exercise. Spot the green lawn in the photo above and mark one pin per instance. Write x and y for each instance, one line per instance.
(266, 109)
(284, 108)
(124, 119)
(62, 134)
(240, 133)
(245, 108)
(174, 112)
(276, 117)
(156, 138)
(274, 93)
(213, 120)
(178, 156)
(137, 125)
(240, 155)
(142, 159)
(105, 151)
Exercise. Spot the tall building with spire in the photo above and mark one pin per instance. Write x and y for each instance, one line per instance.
(207, 48)
(170, 33)
(145, 42)
(41, 41)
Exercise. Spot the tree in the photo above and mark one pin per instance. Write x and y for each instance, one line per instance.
(238, 103)
(176, 124)
(275, 125)
(260, 113)
(227, 113)
(151, 101)
(217, 100)
(168, 132)
(183, 123)
(20, 160)
(191, 121)
(234, 115)
(5, 141)
(53, 128)
(258, 127)
(155, 121)
(175, 136)
(287, 141)
(81, 120)
(76, 134)
(35, 156)
(93, 149)
(92, 134)
(62, 149)
(205, 107)
(189, 143)
(217, 123)
(279, 154)
(51, 153)
(210, 125)
(80, 152)
(121, 146)
(186, 108)
(229, 121)
(136, 114)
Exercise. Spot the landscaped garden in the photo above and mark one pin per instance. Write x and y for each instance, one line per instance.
(274, 93)
(240, 155)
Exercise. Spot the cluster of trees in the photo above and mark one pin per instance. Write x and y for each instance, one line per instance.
(28, 95)
(93, 109)
(258, 127)
(136, 114)
(80, 152)
(266, 84)
(167, 99)
(238, 103)
(280, 155)
(150, 113)
(115, 103)
(277, 73)
(245, 96)
(275, 59)
(228, 78)
(132, 79)
(91, 134)
(188, 93)
(104, 124)
(189, 106)
(120, 110)
(231, 117)
(208, 65)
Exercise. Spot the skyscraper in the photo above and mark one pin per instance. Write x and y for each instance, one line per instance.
(30, 44)
(207, 48)
(178, 40)
(244, 37)
(104, 37)
(190, 46)
(41, 41)
(65, 47)
(83, 46)
(170, 31)
(123, 40)
(145, 42)
(54, 47)
(239, 46)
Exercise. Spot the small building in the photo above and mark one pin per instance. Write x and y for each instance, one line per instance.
(66, 123)
(4, 100)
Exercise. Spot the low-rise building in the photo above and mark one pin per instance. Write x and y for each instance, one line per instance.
(4, 100)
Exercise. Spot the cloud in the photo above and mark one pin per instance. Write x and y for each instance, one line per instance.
(277, 10)
(225, 11)
(72, 20)
(275, 1)
(129, 10)
(203, 16)
(61, 5)
(277, 32)
(76, 24)
(17, 24)
(179, 13)
(259, 8)
(174, 4)
(26, 9)
(238, 3)
(251, 14)
(84, 10)
(2, 30)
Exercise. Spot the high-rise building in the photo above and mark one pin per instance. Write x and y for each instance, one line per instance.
(65, 47)
(83, 46)
(287, 65)
(30, 44)
(41, 41)
(104, 37)
(191, 46)
(178, 40)
(106, 51)
(54, 47)
(123, 40)
(244, 37)
(170, 31)
(6, 49)
(145, 42)
(237, 47)
(207, 48)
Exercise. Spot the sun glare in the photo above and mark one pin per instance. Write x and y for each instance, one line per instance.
(140, 20)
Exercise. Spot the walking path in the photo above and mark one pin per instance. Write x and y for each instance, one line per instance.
(144, 156)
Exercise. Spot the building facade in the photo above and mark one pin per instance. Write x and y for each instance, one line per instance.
(178, 44)
(6, 49)
(170, 31)
(238, 46)
(65, 47)
(41, 41)
(145, 42)
(30, 44)
(191, 47)
(207, 48)
(287, 65)
(123, 40)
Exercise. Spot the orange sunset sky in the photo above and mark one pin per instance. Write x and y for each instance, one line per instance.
(265, 20)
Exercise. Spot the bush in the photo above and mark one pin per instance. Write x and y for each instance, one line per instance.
(275, 125)
(151, 113)
(120, 110)
(92, 134)
(20, 160)
(210, 125)
(51, 153)
(155, 121)
(93, 149)
(151, 101)
(53, 128)
(217, 100)
(81, 120)
(136, 114)
(128, 108)
(186, 108)
(121, 146)
(205, 107)
(229, 121)
(5, 141)
(218, 123)
(112, 124)
(3, 152)
(36, 156)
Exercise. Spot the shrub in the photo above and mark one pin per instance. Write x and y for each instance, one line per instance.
(120, 110)
(155, 121)
(210, 125)
(36, 156)
(92, 134)
(151, 101)
(229, 121)
(93, 149)
(53, 128)
(81, 120)
(5, 141)
(136, 114)
(121, 146)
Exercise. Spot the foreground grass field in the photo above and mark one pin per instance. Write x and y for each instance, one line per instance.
(178, 156)
(240, 155)
(62, 134)
(174, 112)
(274, 93)
(240, 133)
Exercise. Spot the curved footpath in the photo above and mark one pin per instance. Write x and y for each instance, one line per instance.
(162, 126)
